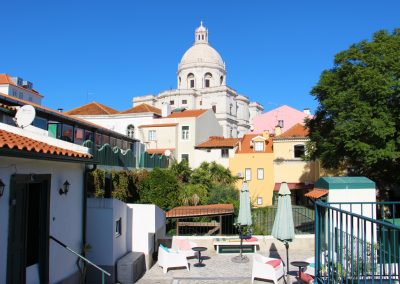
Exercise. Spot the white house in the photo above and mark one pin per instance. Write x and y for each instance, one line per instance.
(202, 84)
(216, 149)
(41, 195)
(19, 88)
(180, 132)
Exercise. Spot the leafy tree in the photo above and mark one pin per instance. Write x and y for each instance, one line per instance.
(212, 173)
(181, 170)
(193, 194)
(160, 187)
(223, 194)
(357, 121)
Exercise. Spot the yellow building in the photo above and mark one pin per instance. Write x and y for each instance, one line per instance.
(289, 148)
(254, 160)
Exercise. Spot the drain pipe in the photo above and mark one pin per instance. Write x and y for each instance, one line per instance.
(88, 169)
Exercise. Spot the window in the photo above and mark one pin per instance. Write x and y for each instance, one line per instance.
(21, 95)
(231, 133)
(221, 80)
(106, 139)
(113, 142)
(88, 135)
(185, 132)
(40, 122)
(298, 151)
(97, 140)
(67, 133)
(190, 79)
(225, 153)
(259, 146)
(130, 131)
(260, 173)
(184, 102)
(280, 123)
(201, 103)
(247, 174)
(207, 80)
(30, 99)
(185, 157)
(78, 136)
(118, 227)
(230, 108)
(214, 108)
(259, 201)
(192, 83)
(171, 102)
(152, 135)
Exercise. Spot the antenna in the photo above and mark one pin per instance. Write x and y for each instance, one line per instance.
(25, 116)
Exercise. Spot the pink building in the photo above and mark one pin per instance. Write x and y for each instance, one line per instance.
(284, 116)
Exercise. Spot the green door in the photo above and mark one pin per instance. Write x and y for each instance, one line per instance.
(28, 239)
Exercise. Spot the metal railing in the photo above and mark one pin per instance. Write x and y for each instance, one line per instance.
(103, 272)
(352, 245)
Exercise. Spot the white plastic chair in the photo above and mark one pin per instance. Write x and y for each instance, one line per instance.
(177, 246)
(263, 270)
(167, 259)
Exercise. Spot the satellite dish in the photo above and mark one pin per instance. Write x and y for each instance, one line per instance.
(25, 116)
(167, 153)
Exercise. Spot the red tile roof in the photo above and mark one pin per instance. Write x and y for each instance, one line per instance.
(316, 193)
(6, 79)
(142, 108)
(158, 125)
(92, 108)
(219, 142)
(188, 113)
(158, 151)
(296, 131)
(14, 141)
(7, 107)
(200, 210)
(293, 185)
(245, 145)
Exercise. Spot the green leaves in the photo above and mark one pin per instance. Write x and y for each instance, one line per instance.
(358, 118)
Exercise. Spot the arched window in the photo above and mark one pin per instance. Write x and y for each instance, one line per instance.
(221, 80)
(298, 151)
(190, 79)
(130, 131)
(207, 80)
(180, 81)
(230, 109)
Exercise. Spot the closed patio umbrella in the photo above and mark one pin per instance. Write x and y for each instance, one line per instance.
(283, 228)
(244, 218)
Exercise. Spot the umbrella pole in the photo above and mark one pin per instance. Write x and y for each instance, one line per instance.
(241, 242)
(287, 257)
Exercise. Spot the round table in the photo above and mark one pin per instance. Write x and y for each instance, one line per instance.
(199, 250)
(300, 265)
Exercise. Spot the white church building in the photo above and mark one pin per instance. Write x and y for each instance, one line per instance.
(202, 85)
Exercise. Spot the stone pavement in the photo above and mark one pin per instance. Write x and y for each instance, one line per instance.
(220, 269)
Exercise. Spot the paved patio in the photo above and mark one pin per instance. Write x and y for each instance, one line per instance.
(220, 269)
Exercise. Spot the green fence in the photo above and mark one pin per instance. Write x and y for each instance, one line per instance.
(303, 219)
(153, 161)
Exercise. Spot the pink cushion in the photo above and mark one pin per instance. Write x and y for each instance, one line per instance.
(184, 245)
(252, 239)
(306, 277)
(275, 262)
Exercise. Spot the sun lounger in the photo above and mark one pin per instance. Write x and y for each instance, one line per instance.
(232, 245)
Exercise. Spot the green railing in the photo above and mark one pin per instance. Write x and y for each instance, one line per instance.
(111, 156)
(303, 219)
(357, 242)
(103, 272)
(153, 161)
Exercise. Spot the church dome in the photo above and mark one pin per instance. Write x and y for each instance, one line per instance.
(201, 52)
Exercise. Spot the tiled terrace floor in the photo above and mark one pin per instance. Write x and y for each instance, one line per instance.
(220, 269)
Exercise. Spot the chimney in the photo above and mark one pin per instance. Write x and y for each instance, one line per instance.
(165, 109)
(60, 109)
(307, 111)
(265, 134)
(278, 130)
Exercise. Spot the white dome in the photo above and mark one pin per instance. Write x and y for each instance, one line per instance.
(202, 53)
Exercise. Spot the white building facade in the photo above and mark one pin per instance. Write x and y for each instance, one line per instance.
(201, 84)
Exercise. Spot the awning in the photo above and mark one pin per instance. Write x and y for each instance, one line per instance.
(316, 193)
(200, 210)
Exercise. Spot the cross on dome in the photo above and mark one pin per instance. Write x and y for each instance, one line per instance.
(201, 34)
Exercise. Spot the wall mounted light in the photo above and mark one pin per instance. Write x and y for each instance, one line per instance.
(2, 186)
(65, 188)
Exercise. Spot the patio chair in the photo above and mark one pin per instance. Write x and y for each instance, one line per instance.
(168, 258)
(267, 268)
(184, 246)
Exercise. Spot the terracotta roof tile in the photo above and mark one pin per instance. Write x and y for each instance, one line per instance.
(188, 113)
(92, 108)
(158, 125)
(158, 151)
(316, 193)
(298, 130)
(200, 210)
(219, 142)
(142, 108)
(245, 145)
(7, 107)
(293, 186)
(14, 141)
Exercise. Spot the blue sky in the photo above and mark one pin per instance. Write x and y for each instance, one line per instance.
(76, 52)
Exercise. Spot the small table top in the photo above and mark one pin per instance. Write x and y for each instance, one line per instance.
(300, 263)
(199, 248)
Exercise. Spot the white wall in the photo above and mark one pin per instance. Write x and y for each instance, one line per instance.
(65, 211)
(214, 155)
